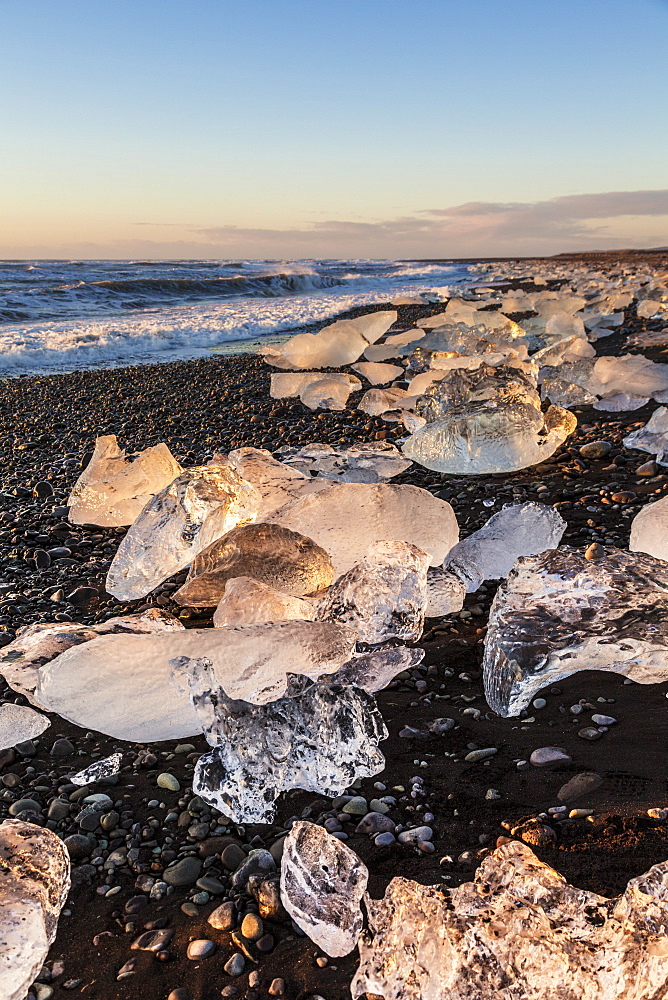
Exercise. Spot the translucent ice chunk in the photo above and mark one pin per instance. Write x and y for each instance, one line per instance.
(329, 392)
(445, 593)
(519, 930)
(516, 530)
(127, 692)
(98, 770)
(558, 613)
(18, 723)
(340, 343)
(377, 401)
(378, 374)
(198, 507)
(383, 596)
(653, 437)
(373, 671)
(34, 884)
(620, 401)
(649, 529)
(275, 481)
(322, 884)
(321, 740)
(112, 490)
(286, 384)
(630, 373)
(339, 517)
(250, 602)
(283, 559)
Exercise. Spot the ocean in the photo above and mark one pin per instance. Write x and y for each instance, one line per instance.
(58, 315)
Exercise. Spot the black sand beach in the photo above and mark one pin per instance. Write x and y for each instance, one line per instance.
(49, 424)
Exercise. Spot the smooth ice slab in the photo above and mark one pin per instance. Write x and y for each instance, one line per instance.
(649, 530)
(289, 384)
(516, 530)
(329, 392)
(653, 437)
(340, 343)
(112, 490)
(519, 931)
(383, 596)
(21, 659)
(18, 724)
(249, 602)
(270, 553)
(339, 517)
(377, 373)
(321, 740)
(34, 883)
(199, 506)
(275, 481)
(322, 884)
(559, 613)
(120, 684)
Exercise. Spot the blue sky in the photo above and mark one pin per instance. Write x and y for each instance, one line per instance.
(201, 128)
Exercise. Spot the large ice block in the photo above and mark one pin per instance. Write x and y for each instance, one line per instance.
(329, 392)
(248, 602)
(340, 343)
(275, 481)
(649, 530)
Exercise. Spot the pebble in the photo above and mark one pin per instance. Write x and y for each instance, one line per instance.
(168, 781)
(657, 813)
(550, 757)
(252, 927)
(539, 703)
(62, 748)
(78, 846)
(357, 806)
(257, 863)
(377, 805)
(581, 784)
(233, 856)
(596, 449)
(180, 993)
(603, 720)
(201, 948)
(276, 987)
(223, 918)
(25, 805)
(384, 839)
(375, 822)
(580, 813)
(417, 834)
(477, 755)
(184, 872)
(589, 733)
(235, 965)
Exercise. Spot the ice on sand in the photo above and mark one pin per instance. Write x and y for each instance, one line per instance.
(340, 343)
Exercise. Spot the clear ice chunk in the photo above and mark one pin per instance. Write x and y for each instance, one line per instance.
(516, 530)
(275, 481)
(653, 437)
(620, 401)
(321, 740)
(283, 559)
(340, 343)
(286, 384)
(649, 529)
(21, 659)
(18, 724)
(112, 490)
(339, 517)
(120, 684)
(383, 596)
(378, 401)
(558, 613)
(373, 671)
(34, 884)
(322, 885)
(199, 506)
(445, 593)
(519, 931)
(631, 373)
(249, 602)
(378, 374)
(329, 392)
(98, 770)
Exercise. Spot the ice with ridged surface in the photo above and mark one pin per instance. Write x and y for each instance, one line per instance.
(329, 392)
(199, 506)
(34, 884)
(373, 671)
(275, 481)
(519, 931)
(21, 659)
(249, 602)
(281, 558)
(445, 593)
(649, 529)
(383, 596)
(523, 529)
(322, 885)
(559, 613)
(112, 490)
(653, 437)
(18, 724)
(340, 343)
(339, 517)
(321, 738)
(127, 692)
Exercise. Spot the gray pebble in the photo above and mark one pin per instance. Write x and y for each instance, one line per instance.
(223, 918)
(184, 872)
(201, 948)
(235, 965)
(476, 755)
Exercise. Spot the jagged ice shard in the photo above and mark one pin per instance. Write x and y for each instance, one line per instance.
(322, 885)
(120, 684)
(270, 553)
(373, 671)
(649, 529)
(339, 517)
(486, 420)
(340, 343)
(559, 613)
(34, 883)
(321, 740)
(519, 931)
(516, 530)
(653, 437)
(112, 490)
(199, 506)
(276, 482)
(329, 392)
(383, 596)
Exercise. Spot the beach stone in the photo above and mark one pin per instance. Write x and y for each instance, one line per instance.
(384, 839)
(276, 987)
(258, 863)
(235, 965)
(417, 835)
(477, 755)
(155, 940)
(201, 948)
(550, 757)
(62, 748)
(603, 720)
(58, 810)
(252, 927)
(223, 918)
(168, 781)
(375, 822)
(184, 872)
(233, 856)
(180, 993)
(25, 805)
(595, 449)
(78, 846)
(357, 806)
(581, 784)
(590, 733)
(207, 883)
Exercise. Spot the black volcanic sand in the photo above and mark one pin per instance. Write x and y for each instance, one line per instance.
(48, 428)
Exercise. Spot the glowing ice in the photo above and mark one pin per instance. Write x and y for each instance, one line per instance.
(340, 343)
(649, 529)
(249, 602)
(378, 374)
(98, 770)
(329, 392)
(275, 481)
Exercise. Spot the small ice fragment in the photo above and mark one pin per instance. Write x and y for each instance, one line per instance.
(18, 724)
(98, 770)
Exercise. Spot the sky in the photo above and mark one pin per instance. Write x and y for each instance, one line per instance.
(303, 128)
